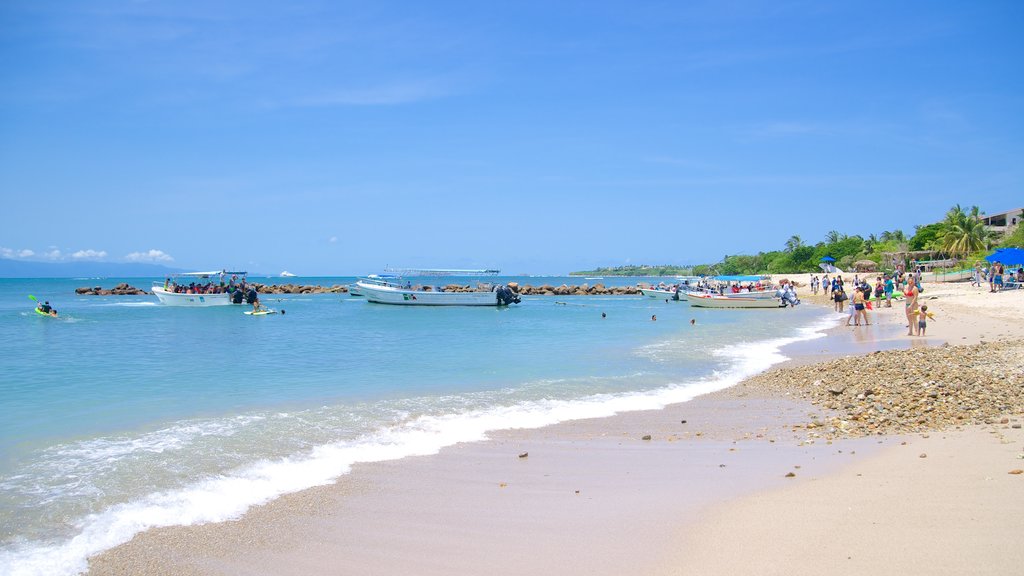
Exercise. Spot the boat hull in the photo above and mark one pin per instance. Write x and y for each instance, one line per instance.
(654, 293)
(195, 300)
(404, 297)
(710, 301)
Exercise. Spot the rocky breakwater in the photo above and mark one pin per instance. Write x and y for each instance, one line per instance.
(299, 289)
(907, 391)
(122, 289)
(549, 290)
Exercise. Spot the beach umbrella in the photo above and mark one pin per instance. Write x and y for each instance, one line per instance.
(1007, 256)
(828, 259)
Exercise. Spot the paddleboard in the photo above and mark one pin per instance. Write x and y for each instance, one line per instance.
(41, 313)
(260, 313)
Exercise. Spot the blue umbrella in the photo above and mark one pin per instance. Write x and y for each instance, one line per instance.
(1007, 256)
(828, 259)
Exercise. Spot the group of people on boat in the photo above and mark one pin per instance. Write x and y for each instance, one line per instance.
(238, 290)
(208, 288)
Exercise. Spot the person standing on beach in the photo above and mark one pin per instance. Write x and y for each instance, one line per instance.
(910, 306)
(857, 311)
(889, 287)
(838, 296)
(922, 319)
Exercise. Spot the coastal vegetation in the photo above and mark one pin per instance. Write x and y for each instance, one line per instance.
(961, 237)
(641, 270)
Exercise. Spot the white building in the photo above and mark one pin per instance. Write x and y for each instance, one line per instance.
(1003, 221)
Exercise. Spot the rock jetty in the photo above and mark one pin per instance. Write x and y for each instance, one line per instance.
(299, 289)
(122, 289)
(906, 391)
(525, 289)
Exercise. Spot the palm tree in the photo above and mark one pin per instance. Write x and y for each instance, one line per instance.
(794, 243)
(833, 236)
(964, 232)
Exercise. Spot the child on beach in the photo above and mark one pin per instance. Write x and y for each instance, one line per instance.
(922, 319)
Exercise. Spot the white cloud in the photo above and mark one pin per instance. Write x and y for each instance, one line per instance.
(89, 254)
(53, 254)
(149, 256)
(12, 253)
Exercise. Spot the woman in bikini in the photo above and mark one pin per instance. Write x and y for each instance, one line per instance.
(910, 306)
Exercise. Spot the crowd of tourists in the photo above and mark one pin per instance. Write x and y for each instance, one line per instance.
(997, 277)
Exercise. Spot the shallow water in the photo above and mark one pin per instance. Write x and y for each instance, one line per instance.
(121, 414)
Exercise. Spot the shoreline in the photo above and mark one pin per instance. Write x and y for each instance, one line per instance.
(635, 496)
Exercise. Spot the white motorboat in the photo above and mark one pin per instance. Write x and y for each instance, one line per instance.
(727, 294)
(705, 300)
(381, 279)
(386, 293)
(198, 288)
(657, 293)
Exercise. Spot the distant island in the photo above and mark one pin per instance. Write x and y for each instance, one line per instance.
(640, 270)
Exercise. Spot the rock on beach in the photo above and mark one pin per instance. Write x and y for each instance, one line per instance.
(907, 391)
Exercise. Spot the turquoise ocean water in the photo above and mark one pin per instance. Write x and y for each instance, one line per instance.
(123, 415)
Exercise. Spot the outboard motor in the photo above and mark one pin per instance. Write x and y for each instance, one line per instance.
(506, 296)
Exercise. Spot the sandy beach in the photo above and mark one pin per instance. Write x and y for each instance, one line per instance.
(869, 452)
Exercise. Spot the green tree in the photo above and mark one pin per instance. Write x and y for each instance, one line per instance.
(963, 232)
(794, 243)
(925, 236)
(833, 236)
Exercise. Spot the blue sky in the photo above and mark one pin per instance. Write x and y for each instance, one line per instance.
(341, 137)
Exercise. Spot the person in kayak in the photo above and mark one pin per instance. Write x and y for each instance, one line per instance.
(45, 308)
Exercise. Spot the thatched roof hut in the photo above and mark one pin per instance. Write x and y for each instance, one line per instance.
(865, 266)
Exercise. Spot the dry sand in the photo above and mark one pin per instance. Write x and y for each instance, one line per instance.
(708, 496)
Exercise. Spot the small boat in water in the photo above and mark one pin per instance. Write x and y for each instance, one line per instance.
(199, 288)
(707, 300)
(383, 292)
(658, 293)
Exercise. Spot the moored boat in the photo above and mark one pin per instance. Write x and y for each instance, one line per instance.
(704, 300)
(386, 293)
(657, 293)
(174, 291)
